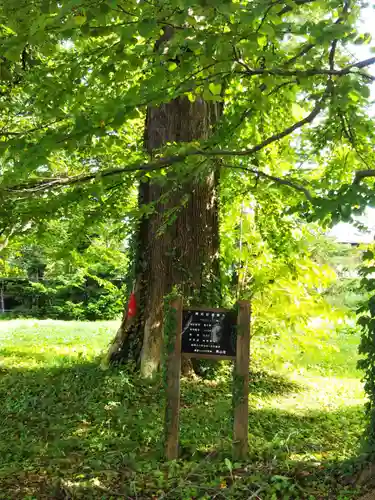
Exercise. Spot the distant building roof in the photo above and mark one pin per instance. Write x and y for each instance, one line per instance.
(344, 232)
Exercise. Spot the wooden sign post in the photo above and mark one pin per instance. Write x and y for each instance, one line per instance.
(172, 375)
(207, 333)
(241, 383)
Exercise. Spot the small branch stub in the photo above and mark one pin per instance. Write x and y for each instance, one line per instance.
(241, 383)
(172, 339)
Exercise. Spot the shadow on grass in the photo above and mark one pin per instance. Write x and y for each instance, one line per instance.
(77, 423)
(57, 355)
(29, 355)
(271, 384)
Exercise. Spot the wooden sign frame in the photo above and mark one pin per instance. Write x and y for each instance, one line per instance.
(240, 377)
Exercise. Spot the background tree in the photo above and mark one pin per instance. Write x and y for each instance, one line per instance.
(67, 271)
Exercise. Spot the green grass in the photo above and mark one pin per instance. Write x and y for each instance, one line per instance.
(71, 430)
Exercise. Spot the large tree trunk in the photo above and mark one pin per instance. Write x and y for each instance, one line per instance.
(178, 245)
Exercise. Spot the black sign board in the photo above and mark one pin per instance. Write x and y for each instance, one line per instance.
(209, 332)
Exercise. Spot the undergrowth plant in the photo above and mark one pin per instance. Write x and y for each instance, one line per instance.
(367, 345)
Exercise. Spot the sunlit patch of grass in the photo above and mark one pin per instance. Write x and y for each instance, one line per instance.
(322, 393)
(70, 428)
(320, 353)
(45, 343)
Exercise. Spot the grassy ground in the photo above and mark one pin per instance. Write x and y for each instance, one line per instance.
(70, 430)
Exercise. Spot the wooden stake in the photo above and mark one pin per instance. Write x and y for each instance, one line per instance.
(241, 383)
(173, 374)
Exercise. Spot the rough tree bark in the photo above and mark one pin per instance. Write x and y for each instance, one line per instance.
(182, 251)
(2, 299)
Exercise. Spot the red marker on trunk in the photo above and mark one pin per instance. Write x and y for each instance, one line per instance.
(132, 306)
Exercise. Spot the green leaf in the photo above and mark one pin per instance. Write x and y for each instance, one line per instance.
(368, 255)
(262, 40)
(79, 20)
(215, 88)
(207, 95)
(267, 29)
(365, 91)
(228, 463)
(191, 97)
(5, 74)
(45, 6)
(147, 28)
(353, 96)
(172, 66)
(345, 211)
(14, 52)
(105, 8)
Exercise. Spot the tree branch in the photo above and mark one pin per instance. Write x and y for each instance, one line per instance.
(279, 180)
(31, 130)
(5, 241)
(270, 6)
(46, 184)
(301, 53)
(331, 56)
(160, 163)
(29, 188)
(289, 8)
(309, 72)
(362, 174)
(273, 138)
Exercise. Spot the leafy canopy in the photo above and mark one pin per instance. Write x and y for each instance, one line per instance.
(76, 77)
